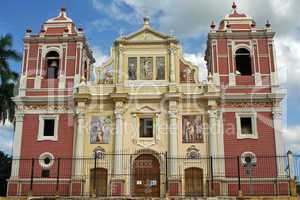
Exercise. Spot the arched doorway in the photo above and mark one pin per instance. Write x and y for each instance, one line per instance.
(101, 181)
(193, 178)
(146, 176)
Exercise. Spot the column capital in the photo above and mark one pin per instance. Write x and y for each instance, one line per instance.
(172, 114)
(19, 117)
(172, 50)
(212, 113)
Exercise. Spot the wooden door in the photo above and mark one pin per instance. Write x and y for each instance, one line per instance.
(101, 181)
(146, 176)
(193, 178)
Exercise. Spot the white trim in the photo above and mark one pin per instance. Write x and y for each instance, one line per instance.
(248, 153)
(41, 136)
(44, 156)
(239, 134)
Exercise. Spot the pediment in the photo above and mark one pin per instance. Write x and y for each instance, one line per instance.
(146, 109)
(146, 34)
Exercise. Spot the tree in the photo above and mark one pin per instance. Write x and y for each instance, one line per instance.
(8, 78)
(5, 169)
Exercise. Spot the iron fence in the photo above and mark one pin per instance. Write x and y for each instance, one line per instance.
(159, 175)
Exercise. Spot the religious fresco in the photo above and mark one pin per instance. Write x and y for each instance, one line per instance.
(132, 68)
(192, 129)
(146, 68)
(100, 130)
(186, 73)
(160, 68)
(106, 75)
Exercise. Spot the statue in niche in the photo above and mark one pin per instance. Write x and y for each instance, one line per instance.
(160, 65)
(146, 68)
(192, 129)
(132, 66)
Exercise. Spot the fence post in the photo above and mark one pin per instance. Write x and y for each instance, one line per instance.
(240, 192)
(292, 183)
(31, 177)
(211, 175)
(167, 183)
(94, 176)
(57, 177)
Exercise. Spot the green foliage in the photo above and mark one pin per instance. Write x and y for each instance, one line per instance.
(8, 78)
(5, 169)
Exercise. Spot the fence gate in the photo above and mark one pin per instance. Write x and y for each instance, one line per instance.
(146, 176)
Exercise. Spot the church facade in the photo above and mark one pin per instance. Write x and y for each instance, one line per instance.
(146, 125)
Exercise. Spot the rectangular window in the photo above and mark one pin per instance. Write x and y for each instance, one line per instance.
(160, 68)
(146, 64)
(45, 173)
(49, 125)
(246, 125)
(132, 68)
(146, 127)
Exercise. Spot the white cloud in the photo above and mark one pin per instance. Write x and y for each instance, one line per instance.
(6, 135)
(292, 139)
(198, 59)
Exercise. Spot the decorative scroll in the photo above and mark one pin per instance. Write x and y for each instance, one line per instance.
(193, 152)
(192, 129)
(100, 130)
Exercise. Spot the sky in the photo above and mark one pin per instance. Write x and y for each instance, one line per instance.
(188, 20)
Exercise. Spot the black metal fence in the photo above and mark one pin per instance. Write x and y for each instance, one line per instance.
(159, 175)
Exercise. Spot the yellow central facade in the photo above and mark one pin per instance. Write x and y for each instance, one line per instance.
(146, 100)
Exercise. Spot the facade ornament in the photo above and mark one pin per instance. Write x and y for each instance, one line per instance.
(193, 152)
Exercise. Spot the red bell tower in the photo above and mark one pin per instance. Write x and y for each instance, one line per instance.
(241, 61)
(54, 61)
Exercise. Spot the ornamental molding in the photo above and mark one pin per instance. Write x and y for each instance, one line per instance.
(44, 107)
(245, 104)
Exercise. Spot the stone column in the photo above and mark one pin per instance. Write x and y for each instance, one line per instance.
(17, 144)
(212, 133)
(79, 140)
(173, 142)
(172, 52)
(117, 183)
(118, 138)
(277, 123)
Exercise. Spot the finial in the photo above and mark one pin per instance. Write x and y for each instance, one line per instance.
(146, 20)
(234, 5)
(29, 30)
(268, 25)
(63, 9)
(212, 25)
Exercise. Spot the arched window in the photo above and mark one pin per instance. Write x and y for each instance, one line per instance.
(243, 62)
(52, 59)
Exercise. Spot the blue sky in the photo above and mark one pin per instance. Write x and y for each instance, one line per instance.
(189, 20)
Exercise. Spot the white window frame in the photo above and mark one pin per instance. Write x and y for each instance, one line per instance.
(41, 136)
(253, 117)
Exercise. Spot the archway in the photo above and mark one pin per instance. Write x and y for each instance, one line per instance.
(193, 181)
(146, 176)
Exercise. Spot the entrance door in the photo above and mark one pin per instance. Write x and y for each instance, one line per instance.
(146, 176)
(193, 178)
(101, 181)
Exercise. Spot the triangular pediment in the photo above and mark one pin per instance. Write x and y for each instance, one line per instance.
(146, 34)
(146, 109)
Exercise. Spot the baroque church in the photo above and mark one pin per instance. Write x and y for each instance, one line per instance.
(144, 124)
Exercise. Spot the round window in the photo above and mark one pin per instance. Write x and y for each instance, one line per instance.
(46, 160)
